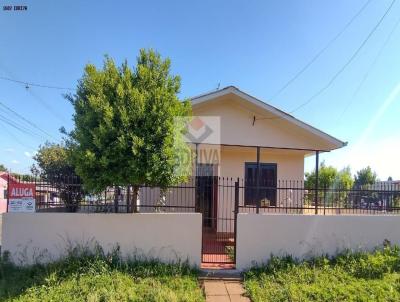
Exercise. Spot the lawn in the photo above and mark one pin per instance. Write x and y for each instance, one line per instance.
(347, 277)
(98, 277)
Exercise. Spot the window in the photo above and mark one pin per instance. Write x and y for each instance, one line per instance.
(268, 180)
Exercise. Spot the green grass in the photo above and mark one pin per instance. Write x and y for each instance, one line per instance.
(95, 276)
(347, 277)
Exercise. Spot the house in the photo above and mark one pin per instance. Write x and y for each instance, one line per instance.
(257, 144)
(237, 137)
(3, 192)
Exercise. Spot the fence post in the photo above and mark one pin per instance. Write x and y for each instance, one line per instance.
(316, 181)
(196, 194)
(36, 194)
(258, 175)
(324, 198)
(128, 191)
(8, 191)
(236, 213)
(116, 195)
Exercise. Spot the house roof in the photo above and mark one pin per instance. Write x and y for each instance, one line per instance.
(7, 177)
(279, 114)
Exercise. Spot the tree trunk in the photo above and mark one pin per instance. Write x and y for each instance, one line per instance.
(135, 199)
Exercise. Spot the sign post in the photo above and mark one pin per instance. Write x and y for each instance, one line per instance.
(21, 197)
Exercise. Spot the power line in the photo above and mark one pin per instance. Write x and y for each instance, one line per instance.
(39, 99)
(49, 108)
(302, 70)
(19, 127)
(366, 74)
(15, 138)
(26, 120)
(348, 61)
(28, 84)
(340, 71)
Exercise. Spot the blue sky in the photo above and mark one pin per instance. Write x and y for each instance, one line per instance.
(255, 45)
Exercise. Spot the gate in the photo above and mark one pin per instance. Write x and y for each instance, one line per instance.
(218, 201)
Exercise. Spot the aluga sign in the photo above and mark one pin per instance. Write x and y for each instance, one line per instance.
(21, 198)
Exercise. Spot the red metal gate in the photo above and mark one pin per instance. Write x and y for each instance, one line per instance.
(218, 202)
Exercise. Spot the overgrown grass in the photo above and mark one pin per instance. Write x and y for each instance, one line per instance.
(95, 276)
(347, 277)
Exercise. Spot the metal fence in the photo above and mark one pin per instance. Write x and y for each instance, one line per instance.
(294, 197)
(214, 195)
(68, 194)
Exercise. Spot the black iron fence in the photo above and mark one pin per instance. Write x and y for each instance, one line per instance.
(214, 195)
(68, 194)
(293, 197)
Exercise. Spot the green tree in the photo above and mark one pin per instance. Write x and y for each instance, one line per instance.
(53, 161)
(326, 177)
(127, 127)
(54, 165)
(365, 177)
(22, 177)
(344, 179)
(330, 178)
(3, 168)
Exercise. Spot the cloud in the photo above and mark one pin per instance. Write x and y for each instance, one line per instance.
(9, 150)
(27, 154)
(14, 161)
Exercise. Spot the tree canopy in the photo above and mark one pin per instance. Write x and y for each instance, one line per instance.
(53, 161)
(127, 126)
(3, 168)
(365, 176)
(330, 177)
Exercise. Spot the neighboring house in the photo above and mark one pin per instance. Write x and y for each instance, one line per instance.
(387, 185)
(3, 192)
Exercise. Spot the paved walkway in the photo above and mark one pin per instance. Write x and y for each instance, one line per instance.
(224, 291)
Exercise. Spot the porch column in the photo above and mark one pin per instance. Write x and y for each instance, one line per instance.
(258, 171)
(316, 181)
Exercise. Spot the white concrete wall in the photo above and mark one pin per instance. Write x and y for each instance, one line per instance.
(166, 236)
(304, 236)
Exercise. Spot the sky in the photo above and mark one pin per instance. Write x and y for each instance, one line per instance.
(257, 46)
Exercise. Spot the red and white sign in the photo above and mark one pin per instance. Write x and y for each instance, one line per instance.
(21, 197)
